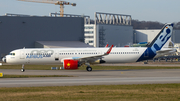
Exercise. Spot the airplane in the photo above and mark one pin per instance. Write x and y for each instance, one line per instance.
(72, 58)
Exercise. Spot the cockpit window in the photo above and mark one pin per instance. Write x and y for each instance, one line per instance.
(12, 54)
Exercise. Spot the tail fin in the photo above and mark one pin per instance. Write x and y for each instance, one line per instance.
(161, 39)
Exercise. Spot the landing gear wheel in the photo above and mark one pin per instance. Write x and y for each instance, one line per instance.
(22, 70)
(89, 69)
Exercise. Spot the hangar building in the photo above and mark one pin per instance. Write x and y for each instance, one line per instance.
(19, 31)
(109, 29)
(149, 35)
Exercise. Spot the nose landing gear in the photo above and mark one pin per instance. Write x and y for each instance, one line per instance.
(23, 70)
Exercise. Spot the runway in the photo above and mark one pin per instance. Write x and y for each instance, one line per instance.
(96, 77)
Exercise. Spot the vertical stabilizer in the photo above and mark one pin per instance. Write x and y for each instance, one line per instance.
(162, 38)
(159, 41)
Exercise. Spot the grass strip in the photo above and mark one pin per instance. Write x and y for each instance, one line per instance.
(140, 92)
(32, 76)
(95, 67)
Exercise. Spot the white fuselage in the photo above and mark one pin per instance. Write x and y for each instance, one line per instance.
(56, 55)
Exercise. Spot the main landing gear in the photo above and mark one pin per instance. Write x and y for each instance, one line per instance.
(22, 70)
(88, 68)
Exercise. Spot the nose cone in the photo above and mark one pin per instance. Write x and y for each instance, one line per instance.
(4, 59)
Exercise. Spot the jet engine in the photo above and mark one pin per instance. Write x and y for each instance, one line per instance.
(70, 64)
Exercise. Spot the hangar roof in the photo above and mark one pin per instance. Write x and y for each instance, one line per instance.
(60, 44)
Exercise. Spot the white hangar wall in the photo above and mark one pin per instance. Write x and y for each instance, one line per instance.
(149, 35)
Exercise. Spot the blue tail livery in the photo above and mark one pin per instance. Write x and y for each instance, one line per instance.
(159, 41)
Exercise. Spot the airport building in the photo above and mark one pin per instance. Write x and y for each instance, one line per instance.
(25, 31)
(108, 28)
(149, 35)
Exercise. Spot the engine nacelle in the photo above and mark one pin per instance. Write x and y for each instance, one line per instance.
(70, 64)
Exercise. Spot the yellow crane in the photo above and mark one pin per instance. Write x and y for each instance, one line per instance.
(56, 2)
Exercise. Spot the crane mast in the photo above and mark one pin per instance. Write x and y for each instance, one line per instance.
(56, 2)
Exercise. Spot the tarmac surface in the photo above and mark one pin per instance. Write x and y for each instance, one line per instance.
(96, 77)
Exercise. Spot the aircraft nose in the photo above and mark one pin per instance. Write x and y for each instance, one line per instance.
(4, 59)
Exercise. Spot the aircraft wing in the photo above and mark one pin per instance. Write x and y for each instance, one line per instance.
(93, 58)
(165, 52)
(90, 58)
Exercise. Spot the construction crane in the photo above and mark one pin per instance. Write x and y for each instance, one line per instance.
(56, 2)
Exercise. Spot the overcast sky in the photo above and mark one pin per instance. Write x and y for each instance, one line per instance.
(165, 11)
